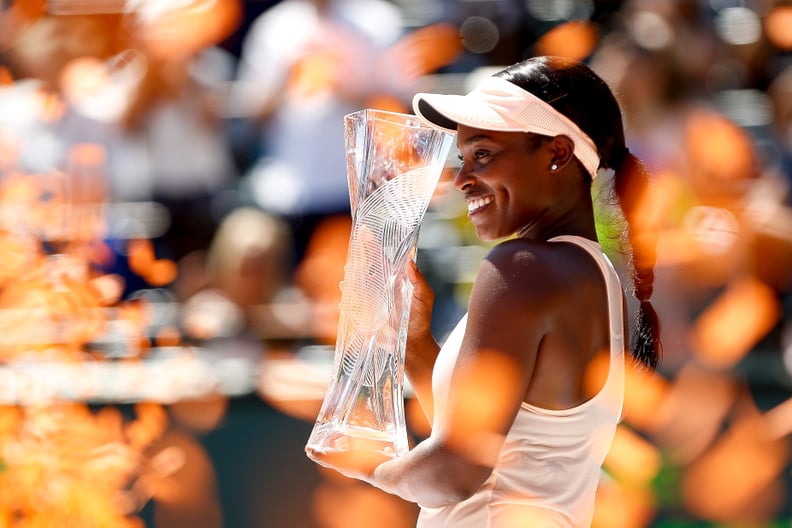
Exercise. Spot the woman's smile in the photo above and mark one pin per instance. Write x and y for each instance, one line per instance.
(477, 204)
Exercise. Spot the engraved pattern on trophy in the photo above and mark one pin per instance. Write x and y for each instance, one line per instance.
(383, 239)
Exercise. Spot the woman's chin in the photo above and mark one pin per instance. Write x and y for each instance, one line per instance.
(487, 236)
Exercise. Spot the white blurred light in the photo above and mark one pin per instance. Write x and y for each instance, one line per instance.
(714, 229)
(479, 34)
(150, 10)
(738, 26)
(418, 13)
(129, 220)
(167, 375)
(786, 346)
(718, 5)
(20, 103)
(651, 31)
(161, 306)
(550, 10)
(268, 175)
(478, 75)
(747, 108)
(104, 90)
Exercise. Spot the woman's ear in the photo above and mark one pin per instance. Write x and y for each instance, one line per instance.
(563, 152)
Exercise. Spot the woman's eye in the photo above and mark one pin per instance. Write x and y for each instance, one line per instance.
(477, 156)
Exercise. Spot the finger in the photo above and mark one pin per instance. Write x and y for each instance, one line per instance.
(417, 278)
(413, 273)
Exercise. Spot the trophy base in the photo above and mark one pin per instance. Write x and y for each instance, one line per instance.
(332, 437)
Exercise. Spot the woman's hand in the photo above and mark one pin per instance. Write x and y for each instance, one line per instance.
(420, 326)
(421, 347)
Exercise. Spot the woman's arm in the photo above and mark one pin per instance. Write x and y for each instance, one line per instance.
(488, 385)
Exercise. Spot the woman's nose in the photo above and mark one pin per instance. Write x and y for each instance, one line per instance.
(463, 179)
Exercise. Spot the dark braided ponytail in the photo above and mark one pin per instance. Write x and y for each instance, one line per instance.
(630, 183)
(576, 91)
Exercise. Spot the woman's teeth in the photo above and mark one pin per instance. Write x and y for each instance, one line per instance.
(477, 203)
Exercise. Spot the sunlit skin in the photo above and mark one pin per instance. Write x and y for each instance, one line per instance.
(537, 316)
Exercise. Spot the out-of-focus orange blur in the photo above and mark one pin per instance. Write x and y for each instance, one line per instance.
(145, 384)
(777, 25)
(575, 40)
(726, 331)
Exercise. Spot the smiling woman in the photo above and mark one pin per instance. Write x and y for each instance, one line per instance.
(519, 430)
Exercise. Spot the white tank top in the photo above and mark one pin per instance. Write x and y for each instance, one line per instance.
(549, 467)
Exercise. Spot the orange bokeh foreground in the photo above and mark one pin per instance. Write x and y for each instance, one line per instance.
(778, 25)
(63, 464)
(735, 322)
(575, 40)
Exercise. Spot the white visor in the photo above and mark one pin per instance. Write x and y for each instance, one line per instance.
(497, 104)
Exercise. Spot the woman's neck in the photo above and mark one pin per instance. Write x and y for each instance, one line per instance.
(579, 222)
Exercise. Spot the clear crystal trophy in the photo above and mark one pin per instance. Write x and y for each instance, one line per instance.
(393, 166)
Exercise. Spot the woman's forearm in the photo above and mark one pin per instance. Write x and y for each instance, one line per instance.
(431, 475)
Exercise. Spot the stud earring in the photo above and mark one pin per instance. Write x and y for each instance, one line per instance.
(553, 167)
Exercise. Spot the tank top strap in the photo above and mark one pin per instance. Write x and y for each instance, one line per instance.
(614, 385)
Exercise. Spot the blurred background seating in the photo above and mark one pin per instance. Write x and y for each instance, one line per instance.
(173, 226)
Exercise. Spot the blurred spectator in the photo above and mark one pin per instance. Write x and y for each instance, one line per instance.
(780, 92)
(305, 64)
(174, 149)
(242, 286)
(656, 58)
(141, 85)
(35, 108)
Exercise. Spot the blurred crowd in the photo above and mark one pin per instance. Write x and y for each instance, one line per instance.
(173, 174)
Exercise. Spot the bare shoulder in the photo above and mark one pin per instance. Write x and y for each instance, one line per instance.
(539, 282)
(518, 280)
(535, 267)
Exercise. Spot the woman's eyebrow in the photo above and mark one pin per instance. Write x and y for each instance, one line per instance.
(477, 137)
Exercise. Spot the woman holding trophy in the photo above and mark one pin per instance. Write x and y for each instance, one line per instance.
(520, 422)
